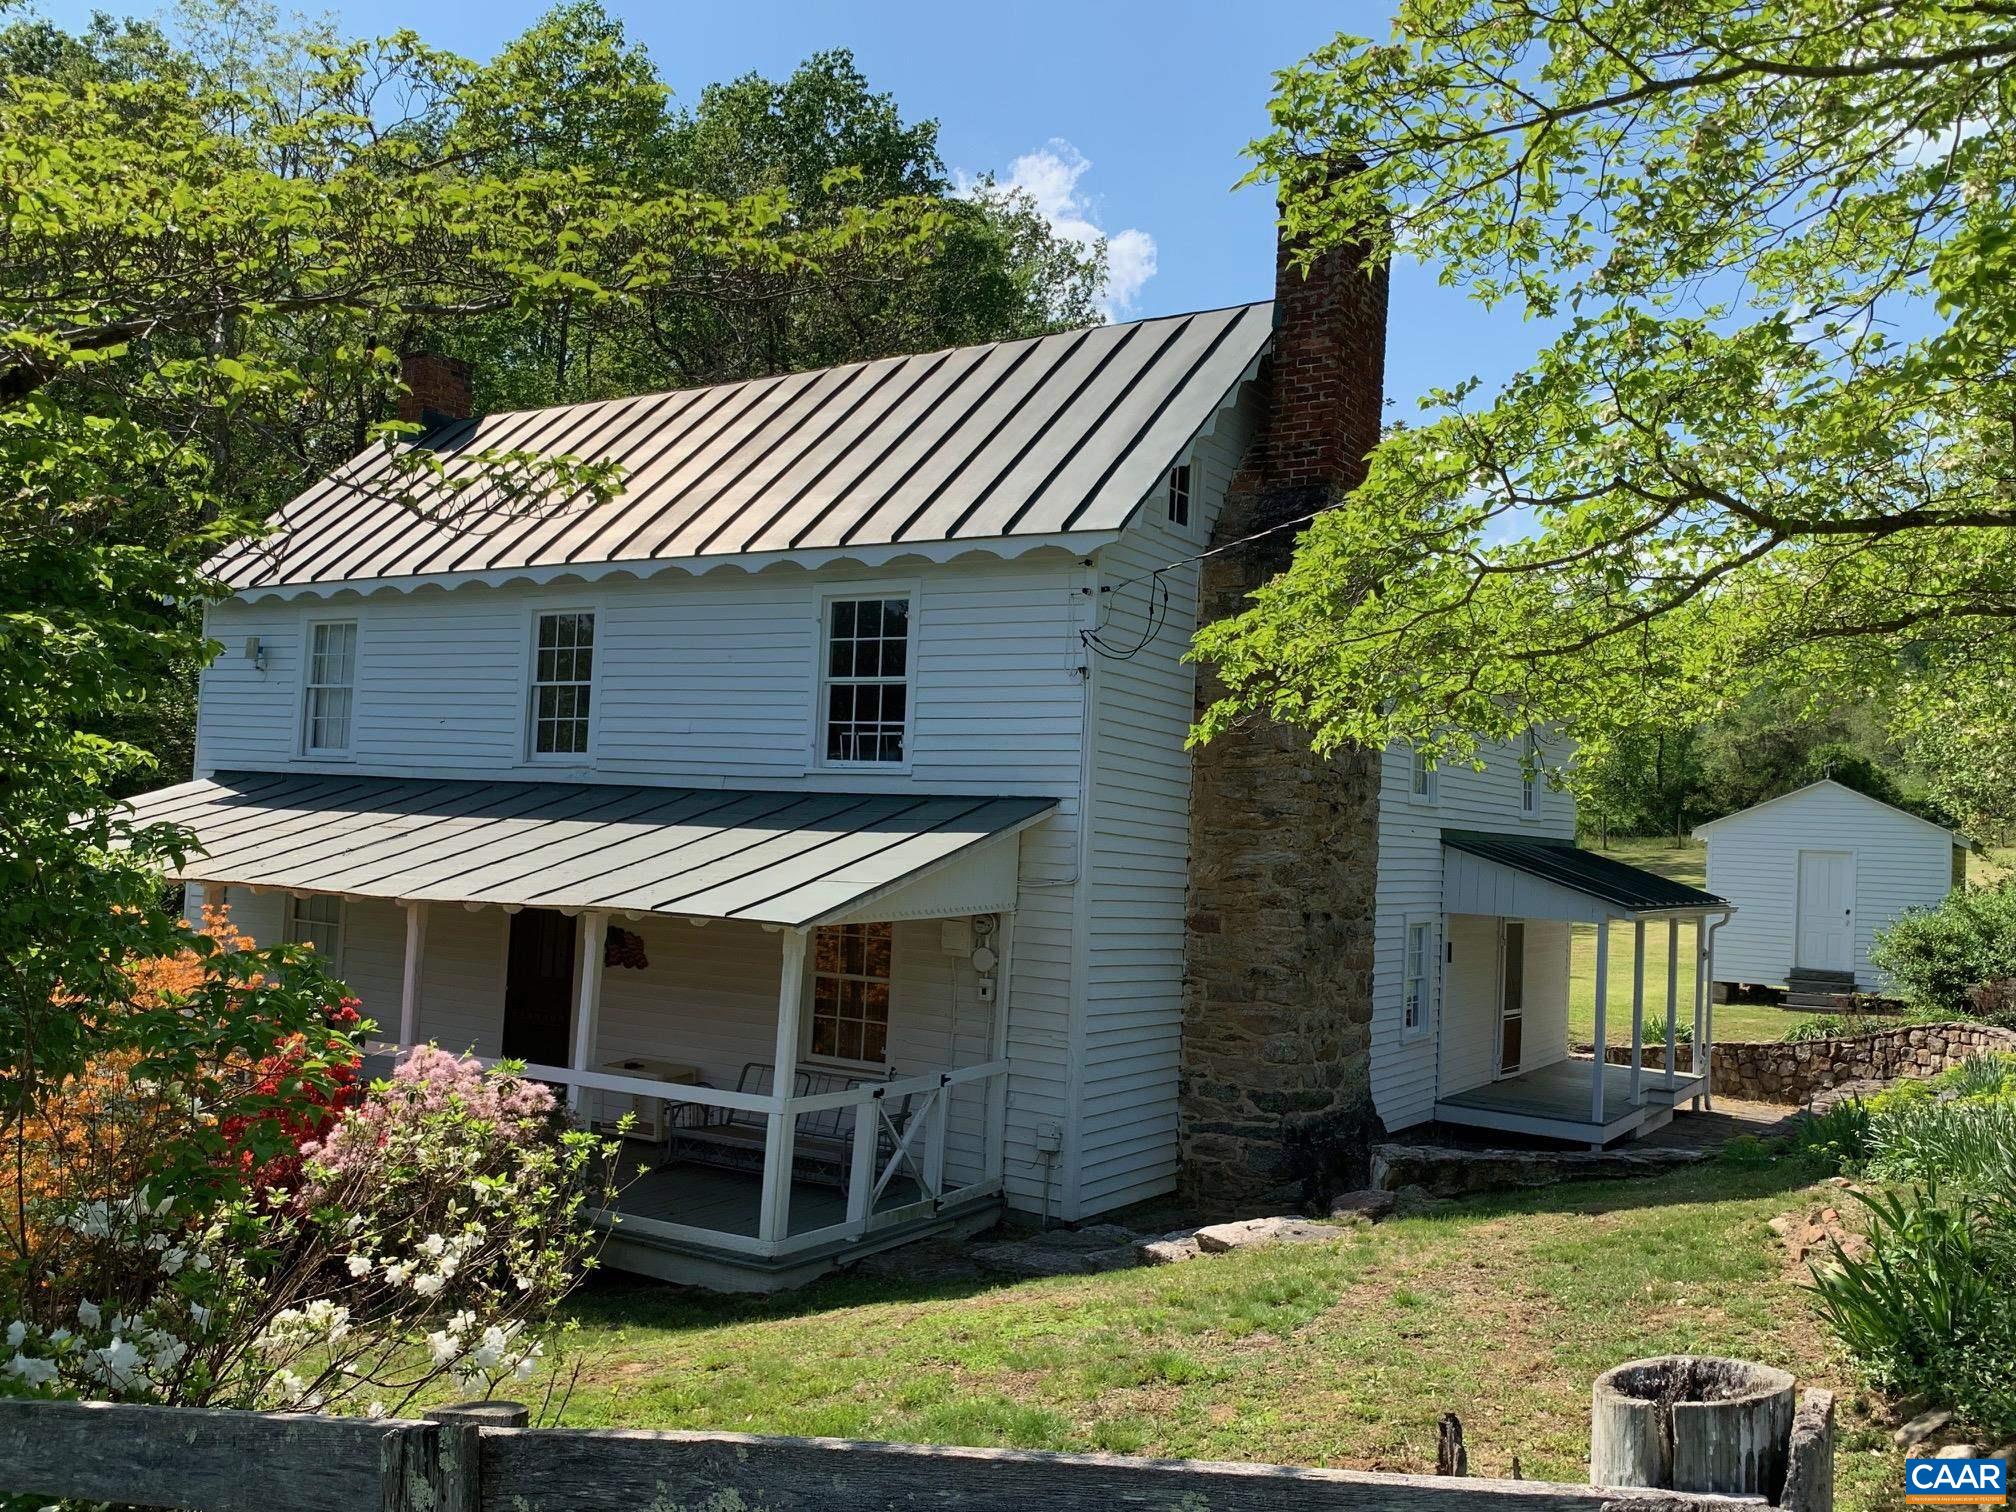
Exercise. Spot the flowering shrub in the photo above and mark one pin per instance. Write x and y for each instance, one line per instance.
(216, 1214)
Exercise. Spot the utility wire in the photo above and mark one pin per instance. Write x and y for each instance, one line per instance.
(1226, 546)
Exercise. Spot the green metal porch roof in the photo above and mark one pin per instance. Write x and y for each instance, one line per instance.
(1596, 876)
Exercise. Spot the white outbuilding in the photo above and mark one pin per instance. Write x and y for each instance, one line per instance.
(1814, 874)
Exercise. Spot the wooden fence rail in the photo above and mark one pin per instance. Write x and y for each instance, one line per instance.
(275, 1462)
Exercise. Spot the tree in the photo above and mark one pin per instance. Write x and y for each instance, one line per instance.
(1771, 430)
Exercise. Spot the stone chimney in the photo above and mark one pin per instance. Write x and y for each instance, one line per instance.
(1276, 1095)
(439, 389)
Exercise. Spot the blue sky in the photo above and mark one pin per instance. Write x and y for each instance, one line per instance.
(1126, 118)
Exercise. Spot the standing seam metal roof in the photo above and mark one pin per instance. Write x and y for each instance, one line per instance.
(726, 853)
(1584, 871)
(1045, 436)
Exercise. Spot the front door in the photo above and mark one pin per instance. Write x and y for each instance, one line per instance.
(1512, 997)
(539, 987)
(1826, 933)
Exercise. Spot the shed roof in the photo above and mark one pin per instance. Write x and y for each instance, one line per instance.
(723, 853)
(1010, 441)
(1597, 876)
(1828, 782)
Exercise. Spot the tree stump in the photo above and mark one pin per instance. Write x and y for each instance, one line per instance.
(1451, 1458)
(1688, 1423)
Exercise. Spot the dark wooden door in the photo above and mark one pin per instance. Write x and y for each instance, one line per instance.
(1512, 1001)
(539, 987)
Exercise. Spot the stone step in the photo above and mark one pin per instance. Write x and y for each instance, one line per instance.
(1812, 977)
(1821, 1002)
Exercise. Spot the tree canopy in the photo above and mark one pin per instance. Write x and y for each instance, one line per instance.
(1770, 434)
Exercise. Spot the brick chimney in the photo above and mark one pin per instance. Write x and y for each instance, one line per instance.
(439, 389)
(1275, 1086)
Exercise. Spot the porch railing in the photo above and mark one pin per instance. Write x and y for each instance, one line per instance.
(914, 1146)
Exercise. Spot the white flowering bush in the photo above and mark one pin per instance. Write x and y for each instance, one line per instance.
(435, 1228)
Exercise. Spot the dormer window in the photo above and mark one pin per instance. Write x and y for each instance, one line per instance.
(867, 680)
(1179, 495)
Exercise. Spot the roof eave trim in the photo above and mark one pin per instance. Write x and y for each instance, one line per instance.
(1000, 548)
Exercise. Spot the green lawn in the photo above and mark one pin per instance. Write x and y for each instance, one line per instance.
(1684, 862)
(1502, 1309)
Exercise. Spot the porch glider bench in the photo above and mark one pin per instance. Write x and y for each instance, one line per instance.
(734, 1138)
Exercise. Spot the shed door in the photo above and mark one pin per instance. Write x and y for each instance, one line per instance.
(1826, 939)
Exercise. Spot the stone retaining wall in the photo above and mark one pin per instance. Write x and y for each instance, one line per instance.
(1781, 1073)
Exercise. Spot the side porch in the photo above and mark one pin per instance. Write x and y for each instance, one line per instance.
(1504, 1061)
(797, 1022)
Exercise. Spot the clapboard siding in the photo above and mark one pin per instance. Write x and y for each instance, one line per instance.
(711, 681)
(1410, 888)
(1138, 835)
(1900, 862)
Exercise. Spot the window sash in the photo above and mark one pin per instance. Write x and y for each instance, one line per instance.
(865, 715)
(1423, 777)
(330, 682)
(852, 973)
(563, 679)
(1414, 992)
(1179, 494)
(1529, 776)
(317, 919)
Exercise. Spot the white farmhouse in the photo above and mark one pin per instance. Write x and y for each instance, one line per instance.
(1815, 874)
(824, 800)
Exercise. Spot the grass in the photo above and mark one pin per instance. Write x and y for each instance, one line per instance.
(1687, 862)
(1502, 1309)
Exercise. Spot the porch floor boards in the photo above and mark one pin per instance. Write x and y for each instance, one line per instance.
(730, 1202)
(1553, 1100)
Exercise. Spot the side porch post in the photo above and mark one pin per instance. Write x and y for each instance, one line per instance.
(588, 1012)
(1672, 999)
(409, 980)
(1637, 1011)
(775, 1217)
(1704, 1009)
(1602, 1035)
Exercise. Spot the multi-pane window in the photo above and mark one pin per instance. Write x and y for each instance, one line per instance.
(1424, 783)
(1529, 781)
(332, 687)
(317, 919)
(563, 673)
(1420, 967)
(867, 678)
(850, 992)
(1179, 495)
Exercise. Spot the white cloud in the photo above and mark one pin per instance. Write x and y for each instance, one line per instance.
(1051, 177)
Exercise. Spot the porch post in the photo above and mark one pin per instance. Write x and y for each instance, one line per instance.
(587, 1013)
(1672, 998)
(1602, 1029)
(1704, 1009)
(409, 980)
(1637, 1009)
(775, 1217)
(997, 1050)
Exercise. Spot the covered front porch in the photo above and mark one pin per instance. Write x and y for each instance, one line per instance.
(1504, 1059)
(794, 1008)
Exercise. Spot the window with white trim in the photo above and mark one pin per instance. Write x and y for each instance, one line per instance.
(867, 679)
(317, 919)
(331, 684)
(850, 993)
(563, 677)
(1179, 495)
(1529, 780)
(1419, 976)
(1424, 786)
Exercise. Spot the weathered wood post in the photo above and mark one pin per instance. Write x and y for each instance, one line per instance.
(457, 1482)
(1451, 1458)
(1694, 1424)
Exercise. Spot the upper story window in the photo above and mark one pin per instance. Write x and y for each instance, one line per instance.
(1529, 780)
(563, 676)
(1179, 495)
(850, 992)
(317, 919)
(1419, 974)
(868, 679)
(1425, 788)
(331, 688)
